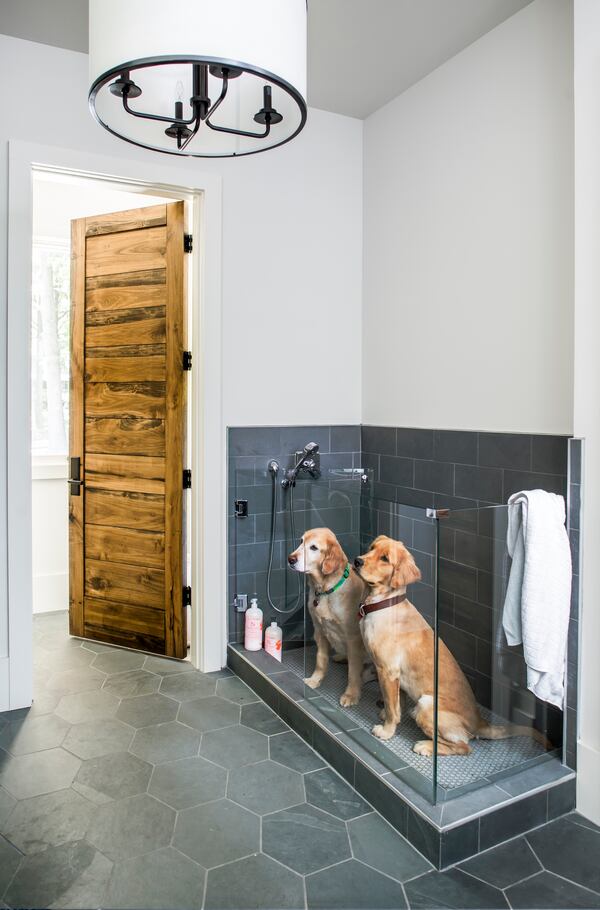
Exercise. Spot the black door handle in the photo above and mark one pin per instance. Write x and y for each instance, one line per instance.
(75, 482)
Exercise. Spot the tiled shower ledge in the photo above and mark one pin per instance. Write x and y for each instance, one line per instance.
(446, 833)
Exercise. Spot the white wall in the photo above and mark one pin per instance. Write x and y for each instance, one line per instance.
(587, 385)
(468, 237)
(292, 241)
(50, 542)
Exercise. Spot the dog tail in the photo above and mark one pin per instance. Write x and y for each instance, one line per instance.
(504, 731)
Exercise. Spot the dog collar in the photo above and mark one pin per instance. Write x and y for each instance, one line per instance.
(319, 594)
(366, 608)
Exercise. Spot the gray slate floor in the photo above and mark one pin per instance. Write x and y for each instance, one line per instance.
(134, 782)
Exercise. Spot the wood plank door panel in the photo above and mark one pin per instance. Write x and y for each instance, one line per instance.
(127, 427)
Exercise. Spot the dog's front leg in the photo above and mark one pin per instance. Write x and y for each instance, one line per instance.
(322, 663)
(356, 661)
(390, 689)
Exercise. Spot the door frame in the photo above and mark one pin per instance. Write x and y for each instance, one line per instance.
(208, 457)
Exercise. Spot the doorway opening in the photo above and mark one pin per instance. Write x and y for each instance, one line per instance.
(59, 199)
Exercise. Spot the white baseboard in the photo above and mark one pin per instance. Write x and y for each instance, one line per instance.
(4, 691)
(50, 592)
(588, 775)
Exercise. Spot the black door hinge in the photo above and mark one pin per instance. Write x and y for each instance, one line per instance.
(187, 479)
(187, 360)
(187, 596)
(188, 243)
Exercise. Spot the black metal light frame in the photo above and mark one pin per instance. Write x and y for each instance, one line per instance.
(183, 130)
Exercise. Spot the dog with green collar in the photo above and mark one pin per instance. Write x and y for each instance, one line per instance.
(335, 592)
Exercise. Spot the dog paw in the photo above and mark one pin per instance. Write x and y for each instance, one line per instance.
(312, 682)
(382, 715)
(383, 732)
(424, 747)
(349, 698)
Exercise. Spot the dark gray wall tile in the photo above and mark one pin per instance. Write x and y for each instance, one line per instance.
(396, 470)
(293, 439)
(480, 483)
(514, 481)
(344, 439)
(412, 443)
(380, 440)
(505, 450)
(437, 476)
(457, 446)
(254, 440)
(550, 454)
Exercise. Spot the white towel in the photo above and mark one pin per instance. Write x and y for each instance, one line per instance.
(538, 597)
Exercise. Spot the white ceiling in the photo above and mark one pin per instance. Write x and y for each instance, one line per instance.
(361, 53)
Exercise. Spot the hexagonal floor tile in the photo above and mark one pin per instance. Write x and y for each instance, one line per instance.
(257, 881)
(32, 734)
(132, 683)
(305, 839)
(10, 859)
(289, 750)
(67, 682)
(114, 776)
(265, 787)
(87, 706)
(186, 686)
(211, 713)
(235, 690)
(72, 875)
(131, 827)
(69, 658)
(7, 804)
(259, 717)
(43, 702)
(146, 710)
(325, 790)
(101, 737)
(164, 878)
(48, 821)
(234, 746)
(375, 843)
(164, 666)
(118, 661)
(37, 773)
(351, 884)
(165, 742)
(188, 782)
(217, 833)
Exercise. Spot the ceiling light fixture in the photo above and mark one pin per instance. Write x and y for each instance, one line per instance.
(204, 78)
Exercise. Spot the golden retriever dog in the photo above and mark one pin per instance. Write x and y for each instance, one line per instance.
(335, 593)
(401, 645)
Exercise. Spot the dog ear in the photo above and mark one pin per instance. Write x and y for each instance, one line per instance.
(334, 559)
(406, 571)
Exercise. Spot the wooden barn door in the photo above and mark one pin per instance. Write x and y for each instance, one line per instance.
(127, 421)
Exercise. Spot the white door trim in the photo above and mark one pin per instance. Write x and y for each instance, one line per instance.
(209, 456)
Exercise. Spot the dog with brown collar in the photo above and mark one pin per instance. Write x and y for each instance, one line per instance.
(335, 592)
(401, 644)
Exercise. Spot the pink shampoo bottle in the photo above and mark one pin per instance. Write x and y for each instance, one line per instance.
(253, 628)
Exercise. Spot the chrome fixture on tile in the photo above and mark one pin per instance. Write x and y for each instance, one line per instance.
(308, 461)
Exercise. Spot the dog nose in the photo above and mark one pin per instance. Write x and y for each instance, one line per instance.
(358, 562)
(292, 559)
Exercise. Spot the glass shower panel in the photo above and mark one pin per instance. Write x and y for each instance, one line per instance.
(517, 730)
(375, 721)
